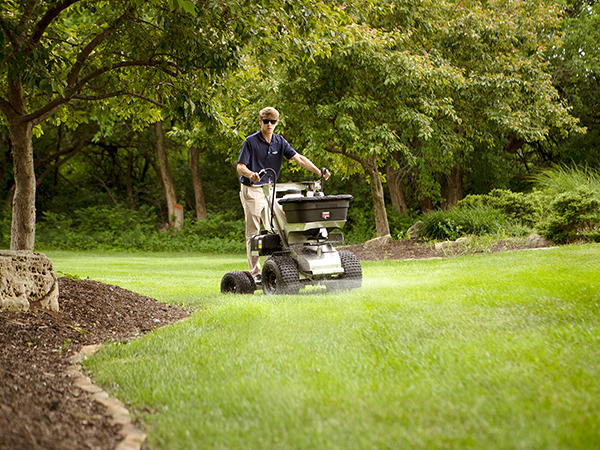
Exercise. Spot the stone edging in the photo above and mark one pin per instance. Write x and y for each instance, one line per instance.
(133, 438)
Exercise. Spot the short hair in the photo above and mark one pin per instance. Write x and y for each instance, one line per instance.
(269, 113)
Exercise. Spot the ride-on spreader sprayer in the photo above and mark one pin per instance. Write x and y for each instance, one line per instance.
(304, 226)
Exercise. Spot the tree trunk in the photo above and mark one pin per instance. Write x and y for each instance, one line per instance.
(201, 212)
(444, 193)
(23, 211)
(394, 180)
(175, 210)
(381, 220)
(455, 186)
(426, 204)
(370, 167)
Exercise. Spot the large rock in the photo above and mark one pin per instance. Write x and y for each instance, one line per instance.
(461, 241)
(27, 279)
(539, 241)
(443, 245)
(378, 242)
(416, 230)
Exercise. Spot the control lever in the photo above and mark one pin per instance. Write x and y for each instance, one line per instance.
(323, 171)
(322, 180)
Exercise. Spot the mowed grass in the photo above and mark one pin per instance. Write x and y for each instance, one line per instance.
(493, 351)
(178, 278)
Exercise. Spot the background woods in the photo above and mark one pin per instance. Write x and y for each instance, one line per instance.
(118, 117)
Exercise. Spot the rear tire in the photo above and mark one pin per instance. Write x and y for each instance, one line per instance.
(352, 276)
(236, 282)
(280, 276)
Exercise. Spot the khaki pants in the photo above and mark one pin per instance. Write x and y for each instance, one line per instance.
(255, 212)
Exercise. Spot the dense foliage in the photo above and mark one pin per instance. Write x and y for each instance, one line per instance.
(524, 208)
(100, 228)
(473, 220)
(564, 207)
(412, 105)
(574, 216)
(574, 205)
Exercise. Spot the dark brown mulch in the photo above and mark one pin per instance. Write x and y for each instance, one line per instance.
(39, 406)
(412, 249)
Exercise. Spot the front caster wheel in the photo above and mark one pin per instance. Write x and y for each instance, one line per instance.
(237, 282)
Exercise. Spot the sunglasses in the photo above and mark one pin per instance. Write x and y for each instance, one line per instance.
(272, 122)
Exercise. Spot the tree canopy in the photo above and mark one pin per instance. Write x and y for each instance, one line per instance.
(420, 98)
(426, 85)
(576, 65)
(136, 60)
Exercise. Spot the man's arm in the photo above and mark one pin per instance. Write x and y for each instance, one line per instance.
(303, 161)
(244, 171)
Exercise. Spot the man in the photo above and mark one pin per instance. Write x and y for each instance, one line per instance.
(263, 150)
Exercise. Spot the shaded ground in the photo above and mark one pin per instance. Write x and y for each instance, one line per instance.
(39, 406)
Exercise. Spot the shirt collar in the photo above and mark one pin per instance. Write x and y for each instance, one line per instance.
(262, 138)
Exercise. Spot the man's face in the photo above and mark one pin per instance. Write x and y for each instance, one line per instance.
(269, 127)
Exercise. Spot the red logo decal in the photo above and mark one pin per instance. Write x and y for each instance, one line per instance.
(325, 215)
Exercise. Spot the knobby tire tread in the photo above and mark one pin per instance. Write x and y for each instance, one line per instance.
(236, 282)
(288, 281)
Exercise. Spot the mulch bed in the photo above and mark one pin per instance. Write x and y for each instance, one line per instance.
(412, 249)
(40, 408)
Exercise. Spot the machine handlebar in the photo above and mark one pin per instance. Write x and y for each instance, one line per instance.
(323, 172)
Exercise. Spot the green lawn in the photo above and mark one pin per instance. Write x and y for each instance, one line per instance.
(493, 351)
(186, 278)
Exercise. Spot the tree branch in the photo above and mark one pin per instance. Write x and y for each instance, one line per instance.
(45, 21)
(92, 98)
(5, 106)
(70, 152)
(43, 113)
(102, 70)
(103, 184)
(344, 152)
(25, 18)
(88, 49)
(6, 29)
(74, 148)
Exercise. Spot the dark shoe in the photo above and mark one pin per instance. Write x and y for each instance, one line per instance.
(257, 279)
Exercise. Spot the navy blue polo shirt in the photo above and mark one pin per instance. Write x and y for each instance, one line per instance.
(258, 154)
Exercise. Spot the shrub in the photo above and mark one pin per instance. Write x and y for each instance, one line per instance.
(560, 179)
(101, 228)
(216, 226)
(399, 223)
(524, 208)
(457, 222)
(96, 228)
(574, 216)
(360, 226)
(100, 219)
(574, 212)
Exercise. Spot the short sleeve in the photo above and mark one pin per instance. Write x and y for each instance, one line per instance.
(288, 151)
(244, 157)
